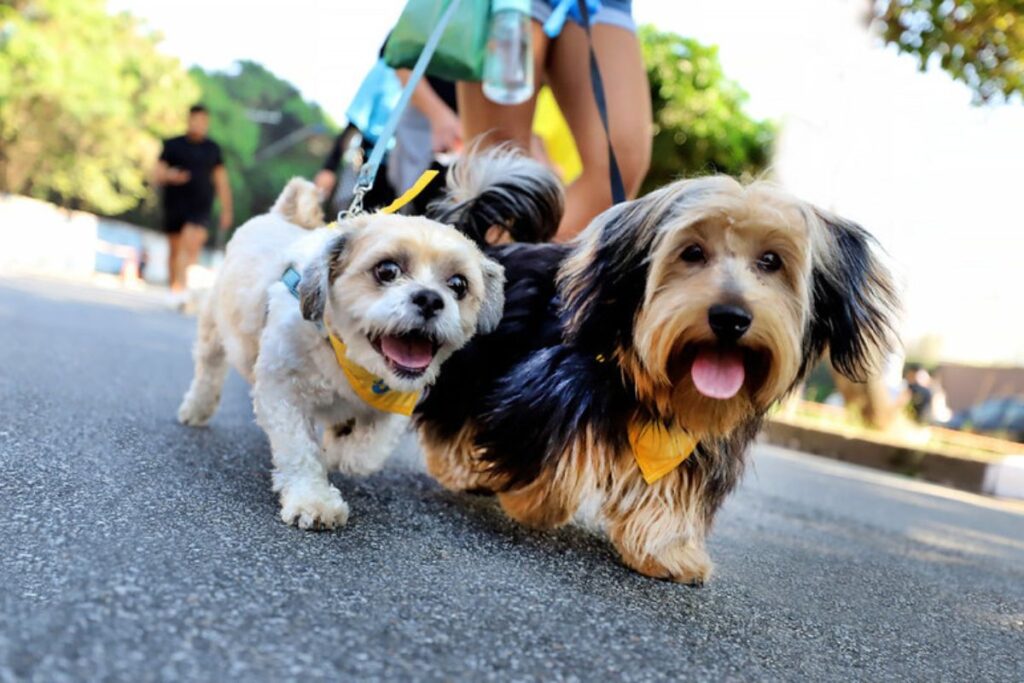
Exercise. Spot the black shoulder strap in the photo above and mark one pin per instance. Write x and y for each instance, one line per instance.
(618, 191)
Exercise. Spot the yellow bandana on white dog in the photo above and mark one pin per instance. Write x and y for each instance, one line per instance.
(658, 449)
(371, 388)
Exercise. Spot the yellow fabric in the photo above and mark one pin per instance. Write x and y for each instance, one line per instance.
(657, 449)
(372, 389)
(550, 126)
(411, 194)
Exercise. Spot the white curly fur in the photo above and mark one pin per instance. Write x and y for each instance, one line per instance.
(252, 321)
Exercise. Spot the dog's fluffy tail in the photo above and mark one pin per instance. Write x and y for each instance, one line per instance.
(504, 188)
(299, 203)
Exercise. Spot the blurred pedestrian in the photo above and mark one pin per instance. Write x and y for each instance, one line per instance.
(919, 393)
(562, 61)
(367, 116)
(190, 170)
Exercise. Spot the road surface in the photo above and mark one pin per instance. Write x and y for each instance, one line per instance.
(135, 549)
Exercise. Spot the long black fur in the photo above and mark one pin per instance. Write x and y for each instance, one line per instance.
(505, 189)
(852, 303)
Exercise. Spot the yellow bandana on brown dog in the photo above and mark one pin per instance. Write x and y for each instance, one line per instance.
(658, 449)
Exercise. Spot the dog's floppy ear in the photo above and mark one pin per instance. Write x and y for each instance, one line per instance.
(602, 283)
(492, 304)
(318, 277)
(853, 299)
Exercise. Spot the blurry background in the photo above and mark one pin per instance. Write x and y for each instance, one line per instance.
(904, 115)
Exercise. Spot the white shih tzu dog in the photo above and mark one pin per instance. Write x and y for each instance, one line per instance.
(338, 330)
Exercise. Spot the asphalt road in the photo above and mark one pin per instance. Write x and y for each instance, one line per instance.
(136, 549)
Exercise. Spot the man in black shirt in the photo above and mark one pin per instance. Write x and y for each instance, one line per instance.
(190, 170)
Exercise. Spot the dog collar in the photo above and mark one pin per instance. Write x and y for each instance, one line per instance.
(370, 388)
(658, 449)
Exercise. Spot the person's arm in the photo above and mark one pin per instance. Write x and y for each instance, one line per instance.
(327, 176)
(445, 128)
(223, 188)
(165, 174)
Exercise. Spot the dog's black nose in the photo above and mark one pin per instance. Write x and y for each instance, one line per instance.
(429, 302)
(729, 322)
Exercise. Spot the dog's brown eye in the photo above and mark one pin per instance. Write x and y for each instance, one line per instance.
(386, 271)
(458, 285)
(769, 262)
(693, 254)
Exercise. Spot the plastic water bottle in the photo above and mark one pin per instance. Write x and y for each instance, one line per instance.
(508, 65)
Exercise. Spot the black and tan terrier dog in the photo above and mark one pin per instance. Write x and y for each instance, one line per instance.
(633, 367)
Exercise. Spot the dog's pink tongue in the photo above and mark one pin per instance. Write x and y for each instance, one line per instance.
(718, 373)
(410, 353)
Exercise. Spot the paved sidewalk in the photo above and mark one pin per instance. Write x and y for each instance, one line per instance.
(135, 549)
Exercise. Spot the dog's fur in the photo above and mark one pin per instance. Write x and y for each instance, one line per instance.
(605, 331)
(253, 322)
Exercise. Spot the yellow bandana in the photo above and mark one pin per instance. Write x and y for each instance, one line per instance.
(372, 389)
(658, 449)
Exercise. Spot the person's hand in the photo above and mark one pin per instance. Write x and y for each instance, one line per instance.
(177, 176)
(324, 181)
(226, 219)
(445, 131)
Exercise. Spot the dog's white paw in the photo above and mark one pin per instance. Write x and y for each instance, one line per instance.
(314, 507)
(194, 413)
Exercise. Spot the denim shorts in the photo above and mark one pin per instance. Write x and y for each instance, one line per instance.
(613, 12)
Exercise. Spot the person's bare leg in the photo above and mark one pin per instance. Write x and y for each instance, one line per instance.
(193, 237)
(629, 116)
(500, 123)
(175, 278)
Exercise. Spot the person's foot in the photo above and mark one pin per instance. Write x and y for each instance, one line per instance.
(176, 300)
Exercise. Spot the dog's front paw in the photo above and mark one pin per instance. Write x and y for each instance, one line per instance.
(194, 413)
(314, 507)
(682, 563)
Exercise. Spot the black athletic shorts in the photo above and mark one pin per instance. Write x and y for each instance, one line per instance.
(175, 218)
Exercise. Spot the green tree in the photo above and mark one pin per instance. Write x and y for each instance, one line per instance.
(289, 139)
(699, 122)
(84, 99)
(979, 42)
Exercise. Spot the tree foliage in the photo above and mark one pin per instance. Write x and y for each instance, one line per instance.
(267, 132)
(979, 42)
(84, 99)
(699, 122)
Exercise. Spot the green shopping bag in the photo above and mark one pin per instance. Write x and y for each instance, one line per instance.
(459, 55)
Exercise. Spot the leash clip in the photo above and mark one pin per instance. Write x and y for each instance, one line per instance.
(356, 207)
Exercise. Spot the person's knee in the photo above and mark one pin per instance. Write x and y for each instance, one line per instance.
(195, 237)
(633, 157)
(633, 154)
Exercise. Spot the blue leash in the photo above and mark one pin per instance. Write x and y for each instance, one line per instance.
(368, 172)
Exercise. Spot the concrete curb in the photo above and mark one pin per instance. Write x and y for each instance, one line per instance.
(1006, 478)
(1001, 476)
